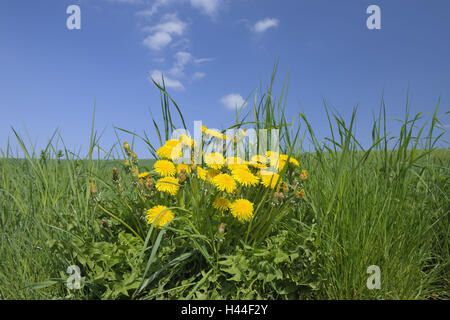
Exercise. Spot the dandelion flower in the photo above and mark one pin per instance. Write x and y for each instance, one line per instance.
(187, 141)
(300, 194)
(164, 168)
(168, 185)
(304, 175)
(183, 166)
(214, 160)
(215, 134)
(161, 218)
(201, 173)
(221, 204)
(211, 173)
(294, 162)
(259, 159)
(242, 209)
(269, 179)
(172, 142)
(143, 175)
(273, 154)
(224, 182)
(245, 177)
(170, 150)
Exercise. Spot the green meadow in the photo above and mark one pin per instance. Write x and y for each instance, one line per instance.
(385, 205)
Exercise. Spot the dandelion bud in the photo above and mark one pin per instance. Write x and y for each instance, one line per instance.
(304, 175)
(222, 227)
(127, 148)
(134, 172)
(279, 195)
(300, 194)
(182, 178)
(134, 158)
(93, 187)
(115, 176)
(285, 187)
(148, 182)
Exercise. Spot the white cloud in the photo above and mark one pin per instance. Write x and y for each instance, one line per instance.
(233, 100)
(157, 41)
(154, 8)
(162, 33)
(198, 75)
(157, 75)
(209, 7)
(263, 25)
(170, 24)
(181, 59)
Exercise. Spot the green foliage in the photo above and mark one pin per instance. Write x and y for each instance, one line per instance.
(386, 205)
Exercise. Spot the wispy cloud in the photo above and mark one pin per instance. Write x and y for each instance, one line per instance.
(198, 75)
(157, 75)
(162, 33)
(263, 25)
(181, 60)
(209, 7)
(233, 101)
(154, 8)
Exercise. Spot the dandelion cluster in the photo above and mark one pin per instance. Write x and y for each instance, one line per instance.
(225, 188)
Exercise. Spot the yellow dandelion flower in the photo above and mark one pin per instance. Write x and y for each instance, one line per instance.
(224, 182)
(269, 179)
(294, 162)
(245, 177)
(185, 167)
(283, 157)
(215, 134)
(300, 194)
(304, 175)
(214, 160)
(161, 214)
(164, 152)
(238, 167)
(221, 204)
(168, 185)
(235, 163)
(259, 159)
(234, 160)
(271, 154)
(201, 173)
(172, 142)
(143, 175)
(187, 141)
(164, 168)
(242, 209)
(258, 165)
(211, 173)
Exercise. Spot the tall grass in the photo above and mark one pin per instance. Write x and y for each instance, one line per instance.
(385, 205)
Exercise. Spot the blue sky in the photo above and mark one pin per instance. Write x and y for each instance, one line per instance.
(212, 52)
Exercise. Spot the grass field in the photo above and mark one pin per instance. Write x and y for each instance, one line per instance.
(387, 205)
